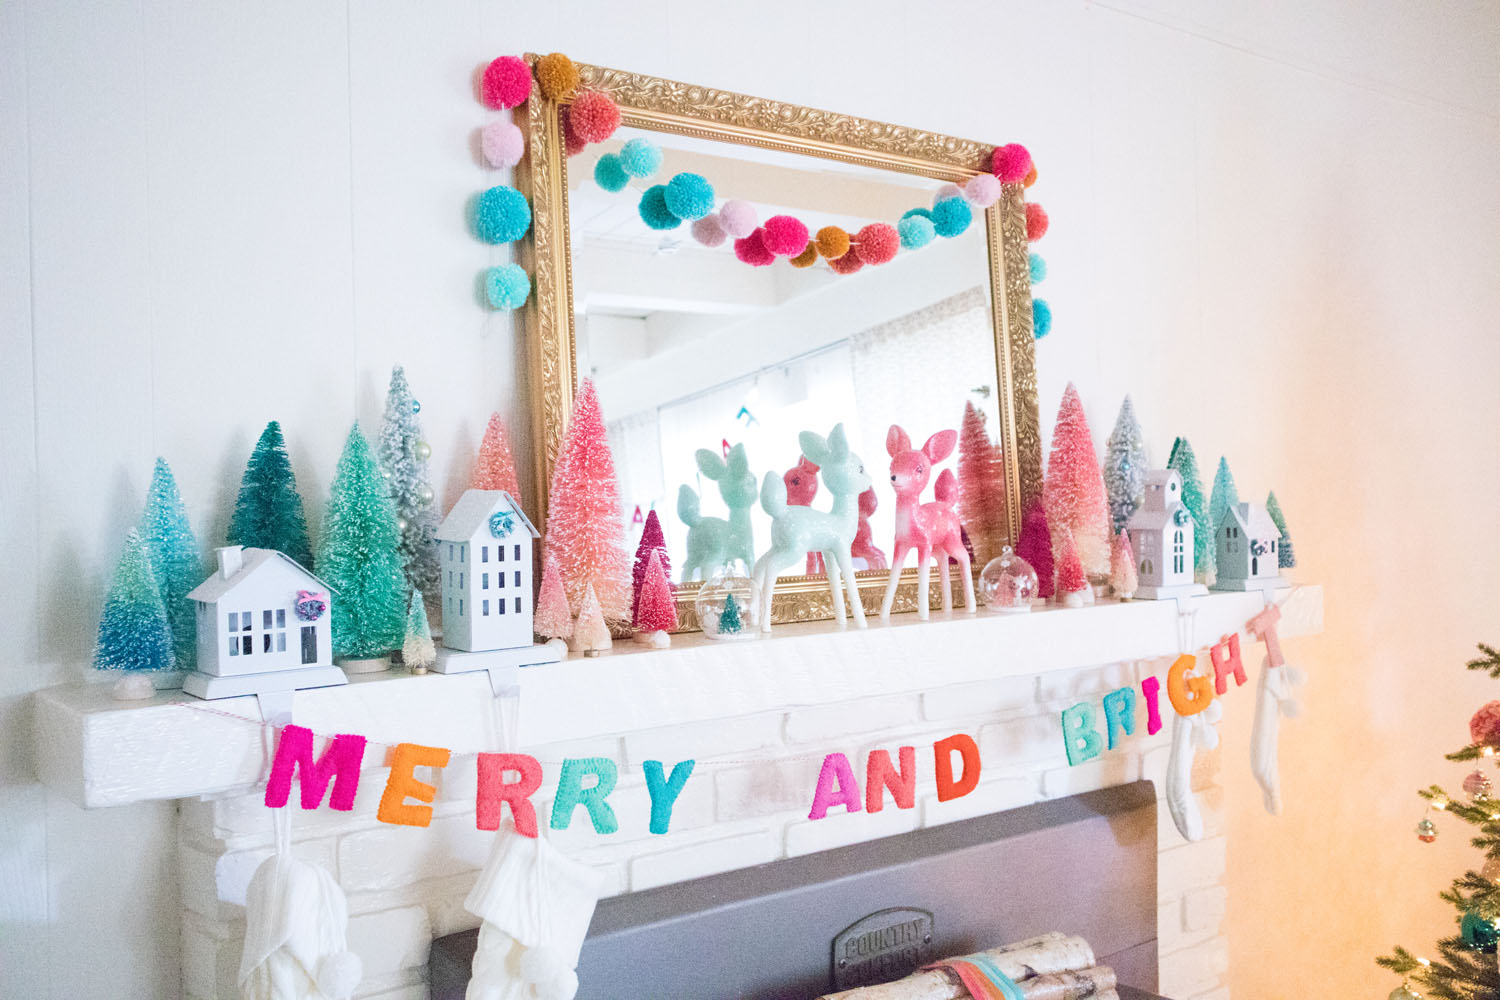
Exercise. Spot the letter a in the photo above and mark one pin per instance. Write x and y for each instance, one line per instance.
(836, 786)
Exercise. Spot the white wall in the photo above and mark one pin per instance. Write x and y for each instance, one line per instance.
(188, 189)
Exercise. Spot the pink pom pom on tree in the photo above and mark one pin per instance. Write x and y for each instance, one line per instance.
(1484, 727)
(552, 618)
(1011, 163)
(981, 486)
(594, 116)
(652, 540)
(1073, 489)
(657, 609)
(1035, 546)
(737, 218)
(877, 243)
(494, 468)
(506, 83)
(982, 190)
(1036, 222)
(784, 235)
(709, 231)
(752, 250)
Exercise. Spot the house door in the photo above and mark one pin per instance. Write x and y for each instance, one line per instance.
(309, 644)
(1254, 565)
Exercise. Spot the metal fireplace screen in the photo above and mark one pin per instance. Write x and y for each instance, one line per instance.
(1084, 865)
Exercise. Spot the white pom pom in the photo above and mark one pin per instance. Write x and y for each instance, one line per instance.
(1208, 737)
(561, 645)
(339, 974)
(541, 964)
(1295, 675)
(133, 687)
(562, 986)
(1291, 709)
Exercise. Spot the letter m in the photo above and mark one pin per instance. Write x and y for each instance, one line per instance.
(339, 763)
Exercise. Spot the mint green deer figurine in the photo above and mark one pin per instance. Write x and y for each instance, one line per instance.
(712, 542)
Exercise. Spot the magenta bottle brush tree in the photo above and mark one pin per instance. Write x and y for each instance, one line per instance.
(652, 540)
(403, 457)
(268, 513)
(133, 632)
(1035, 546)
(175, 561)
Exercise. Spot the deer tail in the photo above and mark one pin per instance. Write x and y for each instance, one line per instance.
(773, 495)
(687, 506)
(946, 489)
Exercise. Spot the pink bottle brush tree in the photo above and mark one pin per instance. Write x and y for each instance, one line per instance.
(981, 487)
(552, 619)
(494, 468)
(1073, 490)
(1072, 584)
(652, 541)
(1035, 546)
(656, 612)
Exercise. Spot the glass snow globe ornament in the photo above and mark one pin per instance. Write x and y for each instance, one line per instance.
(727, 604)
(1008, 583)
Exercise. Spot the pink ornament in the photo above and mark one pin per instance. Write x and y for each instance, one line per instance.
(930, 528)
(503, 144)
(709, 231)
(752, 250)
(784, 235)
(593, 116)
(1036, 222)
(737, 218)
(506, 83)
(877, 243)
(1011, 163)
(1484, 728)
(982, 190)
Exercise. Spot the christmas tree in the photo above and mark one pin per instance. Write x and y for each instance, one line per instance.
(1186, 465)
(403, 460)
(359, 557)
(174, 560)
(729, 617)
(652, 541)
(981, 486)
(418, 651)
(585, 525)
(591, 632)
(1464, 968)
(268, 513)
(1123, 579)
(552, 619)
(1223, 496)
(1074, 488)
(494, 469)
(1035, 546)
(1070, 576)
(1286, 557)
(1124, 467)
(134, 633)
(656, 609)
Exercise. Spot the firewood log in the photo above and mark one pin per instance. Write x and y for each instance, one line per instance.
(1047, 955)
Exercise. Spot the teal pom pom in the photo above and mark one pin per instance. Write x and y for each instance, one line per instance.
(654, 210)
(507, 286)
(502, 215)
(608, 173)
(640, 158)
(690, 196)
(1041, 318)
(951, 216)
(916, 232)
(925, 213)
(1038, 268)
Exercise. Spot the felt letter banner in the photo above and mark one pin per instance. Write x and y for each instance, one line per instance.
(836, 786)
(1189, 694)
(942, 754)
(494, 790)
(571, 793)
(340, 762)
(880, 776)
(403, 784)
(664, 791)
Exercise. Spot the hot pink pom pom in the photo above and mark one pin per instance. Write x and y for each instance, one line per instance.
(737, 218)
(947, 191)
(1036, 222)
(708, 231)
(877, 243)
(572, 142)
(503, 144)
(1011, 163)
(594, 116)
(847, 264)
(983, 190)
(784, 235)
(1484, 728)
(506, 83)
(752, 249)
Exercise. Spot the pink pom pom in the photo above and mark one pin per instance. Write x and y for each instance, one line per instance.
(594, 116)
(1036, 222)
(947, 191)
(847, 264)
(737, 218)
(708, 231)
(573, 144)
(1011, 163)
(503, 144)
(983, 190)
(752, 249)
(1484, 728)
(506, 83)
(784, 236)
(877, 243)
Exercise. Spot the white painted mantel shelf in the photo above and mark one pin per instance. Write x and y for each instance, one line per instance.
(100, 752)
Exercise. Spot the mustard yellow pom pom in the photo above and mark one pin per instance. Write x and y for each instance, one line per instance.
(1030, 178)
(832, 242)
(556, 75)
(807, 257)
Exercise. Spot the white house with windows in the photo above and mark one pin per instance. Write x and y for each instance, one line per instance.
(1161, 536)
(264, 624)
(1247, 551)
(484, 557)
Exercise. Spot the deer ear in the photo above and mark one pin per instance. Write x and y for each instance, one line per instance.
(838, 443)
(896, 441)
(814, 447)
(709, 464)
(737, 457)
(807, 465)
(940, 445)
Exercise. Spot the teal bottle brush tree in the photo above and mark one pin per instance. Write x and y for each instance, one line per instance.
(268, 513)
(173, 551)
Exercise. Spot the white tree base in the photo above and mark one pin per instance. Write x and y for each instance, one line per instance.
(209, 686)
(373, 665)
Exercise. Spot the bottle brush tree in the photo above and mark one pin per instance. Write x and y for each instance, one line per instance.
(981, 486)
(1123, 578)
(591, 632)
(1035, 546)
(268, 513)
(1223, 497)
(656, 611)
(494, 468)
(1073, 490)
(1186, 465)
(729, 617)
(652, 541)
(403, 460)
(1124, 467)
(175, 561)
(134, 633)
(1071, 579)
(1286, 557)
(553, 619)
(418, 651)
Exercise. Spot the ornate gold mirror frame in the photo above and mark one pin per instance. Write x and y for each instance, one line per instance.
(667, 106)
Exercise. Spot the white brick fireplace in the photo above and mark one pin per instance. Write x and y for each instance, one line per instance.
(757, 716)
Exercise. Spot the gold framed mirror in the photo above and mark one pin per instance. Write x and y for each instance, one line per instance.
(772, 153)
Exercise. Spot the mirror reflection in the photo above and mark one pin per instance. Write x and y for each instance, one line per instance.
(707, 368)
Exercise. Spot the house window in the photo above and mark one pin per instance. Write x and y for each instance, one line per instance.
(281, 642)
(1146, 569)
(484, 581)
(234, 621)
(518, 605)
(500, 606)
(1177, 551)
(460, 607)
(450, 551)
(460, 581)
(518, 578)
(500, 553)
(265, 618)
(518, 553)
(247, 645)
(234, 644)
(281, 617)
(1273, 545)
(486, 608)
(450, 578)
(484, 553)
(500, 580)
(461, 549)
(245, 621)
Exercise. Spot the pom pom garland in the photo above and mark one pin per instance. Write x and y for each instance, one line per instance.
(738, 218)
(983, 190)
(877, 243)
(608, 173)
(690, 196)
(752, 249)
(916, 232)
(945, 192)
(832, 242)
(502, 143)
(654, 210)
(847, 264)
(1011, 163)
(506, 83)
(784, 235)
(1038, 267)
(640, 158)
(507, 286)
(808, 257)
(573, 143)
(925, 213)
(1041, 318)
(1036, 222)
(1030, 176)
(502, 215)
(556, 76)
(951, 217)
(593, 116)
(708, 231)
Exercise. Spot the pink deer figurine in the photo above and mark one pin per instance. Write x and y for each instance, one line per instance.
(864, 538)
(930, 528)
(801, 487)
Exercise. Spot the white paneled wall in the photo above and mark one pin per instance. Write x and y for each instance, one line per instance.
(213, 214)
